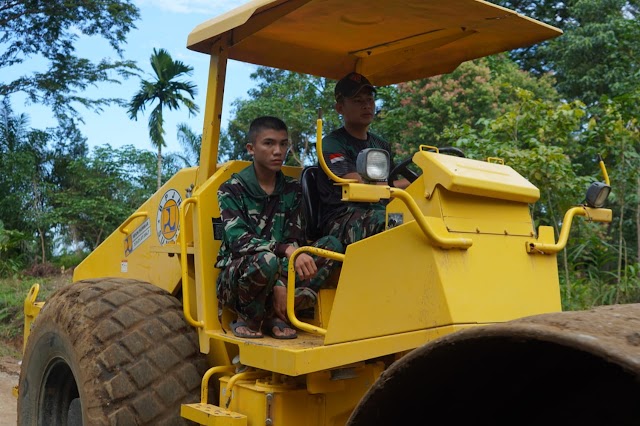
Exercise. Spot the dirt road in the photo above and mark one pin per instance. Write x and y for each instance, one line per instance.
(9, 372)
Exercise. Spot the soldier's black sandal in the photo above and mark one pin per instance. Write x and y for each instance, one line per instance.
(235, 324)
(267, 327)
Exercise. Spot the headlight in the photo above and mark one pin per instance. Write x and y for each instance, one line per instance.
(373, 164)
(597, 194)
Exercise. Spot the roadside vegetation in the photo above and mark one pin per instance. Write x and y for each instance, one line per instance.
(550, 112)
(13, 291)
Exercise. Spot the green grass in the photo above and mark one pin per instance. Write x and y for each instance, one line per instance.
(13, 292)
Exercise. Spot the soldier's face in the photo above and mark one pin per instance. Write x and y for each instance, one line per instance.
(269, 150)
(359, 109)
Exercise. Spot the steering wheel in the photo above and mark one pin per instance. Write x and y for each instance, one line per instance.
(402, 168)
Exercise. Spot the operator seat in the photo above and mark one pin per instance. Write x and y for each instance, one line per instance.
(311, 202)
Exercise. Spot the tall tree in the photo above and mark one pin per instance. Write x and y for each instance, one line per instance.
(599, 53)
(166, 91)
(24, 172)
(294, 98)
(422, 111)
(46, 32)
(190, 143)
(100, 191)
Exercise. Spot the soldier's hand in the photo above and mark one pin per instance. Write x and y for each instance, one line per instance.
(305, 266)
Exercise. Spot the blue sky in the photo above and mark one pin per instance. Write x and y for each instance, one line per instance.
(163, 24)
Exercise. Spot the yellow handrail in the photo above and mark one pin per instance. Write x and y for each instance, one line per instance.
(437, 240)
(594, 215)
(321, 161)
(291, 286)
(186, 307)
(31, 311)
(204, 387)
(122, 228)
(247, 375)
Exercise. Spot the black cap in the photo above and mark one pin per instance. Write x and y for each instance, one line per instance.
(351, 84)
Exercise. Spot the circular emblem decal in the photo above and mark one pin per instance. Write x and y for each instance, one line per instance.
(167, 218)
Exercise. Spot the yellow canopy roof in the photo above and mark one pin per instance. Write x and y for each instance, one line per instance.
(389, 41)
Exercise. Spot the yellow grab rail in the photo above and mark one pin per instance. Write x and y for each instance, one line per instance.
(321, 161)
(31, 311)
(437, 240)
(247, 375)
(594, 215)
(204, 387)
(186, 307)
(291, 286)
(122, 228)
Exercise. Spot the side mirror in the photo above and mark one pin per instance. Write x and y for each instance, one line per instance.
(373, 165)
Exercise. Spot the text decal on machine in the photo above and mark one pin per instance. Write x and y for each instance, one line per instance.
(137, 237)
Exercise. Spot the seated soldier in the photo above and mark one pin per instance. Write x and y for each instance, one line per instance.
(261, 210)
(350, 222)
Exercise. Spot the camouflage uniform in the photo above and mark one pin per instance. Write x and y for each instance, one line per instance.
(257, 230)
(349, 222)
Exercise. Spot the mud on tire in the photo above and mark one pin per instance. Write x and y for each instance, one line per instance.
(109, 351)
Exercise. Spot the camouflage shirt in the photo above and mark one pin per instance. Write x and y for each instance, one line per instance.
(255, 221)
(340, 151)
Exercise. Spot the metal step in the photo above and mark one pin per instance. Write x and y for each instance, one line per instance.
(212, 415)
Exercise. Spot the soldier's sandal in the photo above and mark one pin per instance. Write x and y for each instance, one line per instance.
(240, 323)
(269, 324)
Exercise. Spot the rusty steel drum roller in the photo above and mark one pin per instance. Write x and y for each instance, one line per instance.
(579, 367)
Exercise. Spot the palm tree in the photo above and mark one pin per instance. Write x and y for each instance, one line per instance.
(13, 128)
(167, 92)
(190, 143)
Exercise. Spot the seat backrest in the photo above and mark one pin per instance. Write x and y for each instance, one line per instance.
(311, 202)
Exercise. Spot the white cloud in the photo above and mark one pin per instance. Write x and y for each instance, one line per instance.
(207, 7)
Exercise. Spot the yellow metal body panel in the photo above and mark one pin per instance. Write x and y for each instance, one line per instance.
(325, 398)
(365, 193)
(514, 219)
(400, 272)
(420, 287)
(147, 249)
(388, 41)
(474, 177)
(213, 106)
(309, 353)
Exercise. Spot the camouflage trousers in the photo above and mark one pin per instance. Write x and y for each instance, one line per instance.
(355, 224)
(246, 285)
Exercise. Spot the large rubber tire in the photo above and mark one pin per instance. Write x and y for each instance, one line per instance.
(109, 352)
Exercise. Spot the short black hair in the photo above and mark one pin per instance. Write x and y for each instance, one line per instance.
(262, 123)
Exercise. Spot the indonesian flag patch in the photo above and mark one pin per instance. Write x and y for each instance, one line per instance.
(336, 158)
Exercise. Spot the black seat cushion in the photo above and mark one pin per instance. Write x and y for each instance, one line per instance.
(310, 200)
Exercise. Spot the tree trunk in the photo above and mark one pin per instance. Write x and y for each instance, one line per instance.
(42, 247)
(159, 166)
(638, 224)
